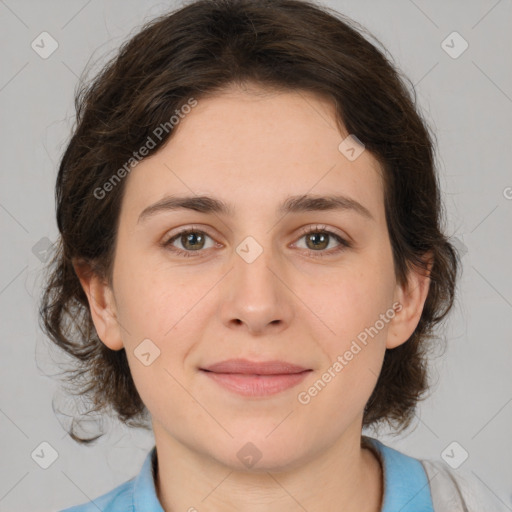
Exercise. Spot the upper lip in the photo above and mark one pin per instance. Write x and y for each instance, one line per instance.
(255, 367)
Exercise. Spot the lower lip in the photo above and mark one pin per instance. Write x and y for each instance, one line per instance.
(257, 385)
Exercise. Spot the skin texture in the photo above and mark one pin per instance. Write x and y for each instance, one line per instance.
(253, 148)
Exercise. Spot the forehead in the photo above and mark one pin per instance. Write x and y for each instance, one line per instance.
(253, 148)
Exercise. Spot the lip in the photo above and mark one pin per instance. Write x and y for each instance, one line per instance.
(244, 366)
(253, 379)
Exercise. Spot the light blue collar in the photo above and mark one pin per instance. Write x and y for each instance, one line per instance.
(144, 491)
(406, 486)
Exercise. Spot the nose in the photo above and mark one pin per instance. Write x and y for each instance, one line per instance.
(255, 296)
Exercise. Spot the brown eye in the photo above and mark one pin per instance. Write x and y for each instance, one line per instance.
(192, 240)
(318, 239)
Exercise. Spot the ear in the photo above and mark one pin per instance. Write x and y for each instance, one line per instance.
(101, 303)
(411, 299)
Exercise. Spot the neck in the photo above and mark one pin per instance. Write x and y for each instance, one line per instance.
(345, 477)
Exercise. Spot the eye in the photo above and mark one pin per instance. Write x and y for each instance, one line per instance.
(191, 239)
(194, 240)
(318, 238)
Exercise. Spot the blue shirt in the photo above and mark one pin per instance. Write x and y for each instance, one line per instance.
(406, 486)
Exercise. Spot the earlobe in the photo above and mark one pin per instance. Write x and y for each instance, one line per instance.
(101, 304)
(411, 299)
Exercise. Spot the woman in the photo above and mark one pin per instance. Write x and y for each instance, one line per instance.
(252, 254)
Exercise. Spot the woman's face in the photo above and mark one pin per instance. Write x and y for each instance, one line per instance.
(252, 283)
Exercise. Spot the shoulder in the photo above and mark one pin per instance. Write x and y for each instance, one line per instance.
(116, 500)
(442, 488)
(136, 494)
(455, 490)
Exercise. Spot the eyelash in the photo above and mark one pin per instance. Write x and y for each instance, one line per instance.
(344, 244)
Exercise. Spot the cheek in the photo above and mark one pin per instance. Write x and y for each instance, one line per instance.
(358, 311)
(160, 321)
(155, 298)
(354, 355)
(356, 301)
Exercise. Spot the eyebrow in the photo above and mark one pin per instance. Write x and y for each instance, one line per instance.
(292, 204)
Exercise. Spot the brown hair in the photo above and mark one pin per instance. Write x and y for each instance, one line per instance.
(198, 50)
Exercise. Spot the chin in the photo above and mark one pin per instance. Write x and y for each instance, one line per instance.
(257, 453)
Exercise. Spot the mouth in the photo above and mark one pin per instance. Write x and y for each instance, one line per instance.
(253, 379)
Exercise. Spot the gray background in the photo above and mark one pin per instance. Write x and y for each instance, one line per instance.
(468, 102)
